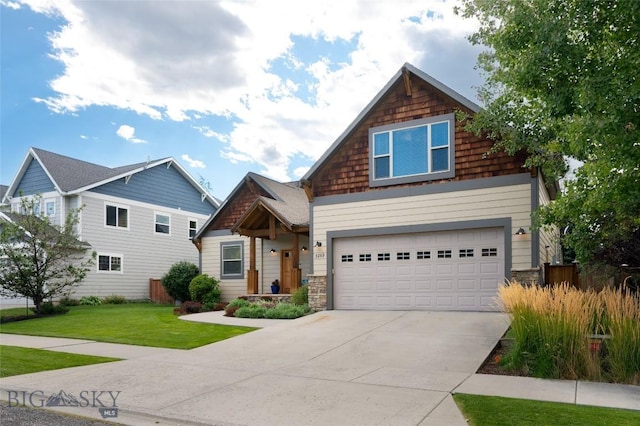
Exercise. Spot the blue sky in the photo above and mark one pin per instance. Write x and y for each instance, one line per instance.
(223, 87)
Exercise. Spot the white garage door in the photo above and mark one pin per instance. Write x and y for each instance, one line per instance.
(449, 270)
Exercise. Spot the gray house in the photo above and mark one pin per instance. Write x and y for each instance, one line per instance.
(138, 218)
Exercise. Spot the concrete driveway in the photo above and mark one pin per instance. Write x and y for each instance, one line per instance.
(330, 368)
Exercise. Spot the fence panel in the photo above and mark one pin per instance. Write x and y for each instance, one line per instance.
(157, 293)
(556, 274)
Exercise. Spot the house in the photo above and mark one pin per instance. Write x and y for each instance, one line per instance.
(407, 210)
(139, 219)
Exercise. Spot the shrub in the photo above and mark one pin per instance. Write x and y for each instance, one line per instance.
(300, 296)
(251, 311)
(233, 306)
(48, 308)
(287, 311)
(67, 301)
(190, 307)
(176, 281)
(204, 289)
(90, 301)
(114, 299)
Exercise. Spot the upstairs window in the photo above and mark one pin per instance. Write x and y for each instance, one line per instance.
(117, 216)
(163, 223)
(193, 227)
(413, 151)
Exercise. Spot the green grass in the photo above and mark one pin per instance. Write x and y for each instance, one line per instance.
(15, 312)
(15, 360)
(497, 411)
(143, 324)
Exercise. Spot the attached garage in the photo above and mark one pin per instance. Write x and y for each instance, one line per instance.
(444, 270)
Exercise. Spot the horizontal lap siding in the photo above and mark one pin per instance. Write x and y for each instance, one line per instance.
(144, 254)
(34, 181)
(211, 256)
(488, 203)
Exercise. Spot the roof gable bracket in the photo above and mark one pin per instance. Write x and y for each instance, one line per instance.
(407, 81)
(126, 179)
(169, 163)
(203, 196)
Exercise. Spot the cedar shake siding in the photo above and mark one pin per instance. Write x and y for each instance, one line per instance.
(347, 170)
(237, 206)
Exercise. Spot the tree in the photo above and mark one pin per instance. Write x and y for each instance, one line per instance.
(176, 281)
(562, 82)
(40, 260)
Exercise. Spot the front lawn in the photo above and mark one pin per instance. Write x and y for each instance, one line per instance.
(143, 324)
(15, 360)
(497, 411)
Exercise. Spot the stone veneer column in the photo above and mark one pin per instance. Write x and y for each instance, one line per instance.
(317, 292)
(529, 276)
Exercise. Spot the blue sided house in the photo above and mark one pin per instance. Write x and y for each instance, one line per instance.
(138, 218)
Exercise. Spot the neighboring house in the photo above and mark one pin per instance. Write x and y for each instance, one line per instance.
(139, 218)
(406, 211)
(3, 206)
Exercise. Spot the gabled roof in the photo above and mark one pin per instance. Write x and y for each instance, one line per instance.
(72, 176)
(286, 201)
(365, 112)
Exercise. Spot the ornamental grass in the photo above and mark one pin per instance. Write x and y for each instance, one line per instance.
(564, 333)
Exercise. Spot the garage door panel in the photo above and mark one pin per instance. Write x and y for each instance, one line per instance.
(448, 270)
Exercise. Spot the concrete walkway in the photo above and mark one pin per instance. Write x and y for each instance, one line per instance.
(333, 367)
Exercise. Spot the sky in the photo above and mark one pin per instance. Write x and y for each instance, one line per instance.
(224, 87)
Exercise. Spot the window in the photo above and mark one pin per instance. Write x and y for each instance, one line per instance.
(489, 252)
(444, 254)
(421, 255)
(109, 263)
(403, 255)
(232, 259)
(365, 257)
(193, 227)
(384, 256)
(346, 258)
(50, 208)
(163, 223)
(412, 151)
(466, 253)
(117, 216)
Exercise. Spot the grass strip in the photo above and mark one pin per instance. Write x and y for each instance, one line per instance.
(143, 324)
(480, 410)
(16, 360)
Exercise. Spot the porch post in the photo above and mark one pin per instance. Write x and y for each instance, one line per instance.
(296, 275)
(252, 273)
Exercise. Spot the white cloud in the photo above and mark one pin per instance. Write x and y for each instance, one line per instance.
(128, 133)
(194, 60)
(196, 164)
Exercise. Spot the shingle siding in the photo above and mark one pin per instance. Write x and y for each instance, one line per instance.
(161, 186)
(347, 170)
(34, 181)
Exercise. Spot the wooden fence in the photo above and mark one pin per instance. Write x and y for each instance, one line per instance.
(556, 274)
(157, 293)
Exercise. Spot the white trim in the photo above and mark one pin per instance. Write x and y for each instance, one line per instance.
(110, 255)
(118, 206)
(155, 223)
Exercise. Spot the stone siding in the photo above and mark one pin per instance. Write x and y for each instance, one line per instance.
(529, 276)
(317, 292)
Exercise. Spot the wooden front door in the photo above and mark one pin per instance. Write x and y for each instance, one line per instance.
(286, 269)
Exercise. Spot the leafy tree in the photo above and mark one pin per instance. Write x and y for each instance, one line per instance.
(177, 280)
(563, 82)
(41, 260)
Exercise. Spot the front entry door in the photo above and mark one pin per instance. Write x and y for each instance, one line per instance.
(286, 269)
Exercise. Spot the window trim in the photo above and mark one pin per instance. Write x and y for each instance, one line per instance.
(51, 201)
(422, 177)
(117, 206)
(222, 260)
(155, 223)
(195, 231)
(110, 255)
